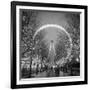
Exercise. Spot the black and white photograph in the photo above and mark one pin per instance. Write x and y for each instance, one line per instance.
(49, 44)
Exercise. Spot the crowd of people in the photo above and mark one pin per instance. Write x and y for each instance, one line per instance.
(41, 68)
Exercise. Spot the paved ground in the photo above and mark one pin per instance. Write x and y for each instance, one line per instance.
(50, 74)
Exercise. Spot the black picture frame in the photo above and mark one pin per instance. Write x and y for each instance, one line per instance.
(14, 4)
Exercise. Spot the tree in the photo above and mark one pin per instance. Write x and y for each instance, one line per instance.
(28, 27)
(74, 30)
(29, 24)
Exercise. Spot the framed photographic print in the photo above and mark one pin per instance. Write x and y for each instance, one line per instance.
(48, 44)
